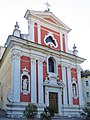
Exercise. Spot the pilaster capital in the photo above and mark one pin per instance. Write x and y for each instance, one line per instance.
(79, 71)
(40, 60)
(15, 55)
(69, 68)
(39, 24)
(58, 61)
(31, 21)
(33, 60)
(63, 66)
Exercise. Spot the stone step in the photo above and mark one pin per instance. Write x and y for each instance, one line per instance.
(2, 113)
(58, 117)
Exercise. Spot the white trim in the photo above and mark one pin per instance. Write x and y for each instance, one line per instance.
(70, 87)
(31, 30)
(39, 33)
(61, 44)
(15, 77)
(66, 42)
(81, 100)
(64, 81)
(60, 102)
(56, 90)
(33, 81)
(40, 82)
(55, 66)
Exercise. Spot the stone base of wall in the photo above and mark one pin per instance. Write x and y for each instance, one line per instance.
(15, 110)
(71, 111)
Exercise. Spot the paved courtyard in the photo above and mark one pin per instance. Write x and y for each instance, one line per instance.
(3, 117)
(40, 119)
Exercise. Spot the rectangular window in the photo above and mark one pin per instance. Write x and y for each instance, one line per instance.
(88, 104)
(87, 94)
(87, 83)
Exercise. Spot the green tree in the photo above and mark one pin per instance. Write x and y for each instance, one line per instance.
(85, 73)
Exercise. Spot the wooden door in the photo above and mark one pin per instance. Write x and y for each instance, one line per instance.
(53, 101)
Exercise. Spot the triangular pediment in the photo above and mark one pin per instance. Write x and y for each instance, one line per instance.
(53, 20)
(50, 20)
(48, 17)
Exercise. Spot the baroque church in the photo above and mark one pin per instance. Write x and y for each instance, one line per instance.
(39, 68)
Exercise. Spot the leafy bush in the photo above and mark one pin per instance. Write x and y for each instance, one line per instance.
(30, 110)
(87, 113)
(47, 113)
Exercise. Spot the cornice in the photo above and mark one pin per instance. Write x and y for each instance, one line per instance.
(43, 49)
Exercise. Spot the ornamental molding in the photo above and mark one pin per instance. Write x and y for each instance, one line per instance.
(51, 43)
(15, 55)
(37, 57)
(52, 81)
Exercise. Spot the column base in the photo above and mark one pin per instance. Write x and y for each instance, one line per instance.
(15, 110)
(40, 108)
(71, 111)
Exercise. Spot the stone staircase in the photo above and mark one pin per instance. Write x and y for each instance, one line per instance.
(15, 110)
(2, 113)
(58, 117)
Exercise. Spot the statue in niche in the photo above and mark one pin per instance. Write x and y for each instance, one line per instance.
(25, 84)
(74, 90)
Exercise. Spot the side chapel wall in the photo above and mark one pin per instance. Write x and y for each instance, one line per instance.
(5, 79)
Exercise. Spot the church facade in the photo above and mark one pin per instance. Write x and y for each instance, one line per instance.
(39, 68)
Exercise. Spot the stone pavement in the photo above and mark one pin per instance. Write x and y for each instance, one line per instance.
(3, 117)
(39, 119)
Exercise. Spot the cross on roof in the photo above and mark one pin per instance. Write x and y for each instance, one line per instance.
(47, 4)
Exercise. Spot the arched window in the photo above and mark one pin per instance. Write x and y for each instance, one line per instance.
(51, 65)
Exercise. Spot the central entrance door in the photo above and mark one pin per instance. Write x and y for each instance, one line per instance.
(53, 101)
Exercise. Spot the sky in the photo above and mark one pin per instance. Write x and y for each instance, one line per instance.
(74, 13)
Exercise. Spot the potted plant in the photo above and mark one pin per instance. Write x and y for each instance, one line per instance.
(30, 111)
(87, 113)
(48, 113)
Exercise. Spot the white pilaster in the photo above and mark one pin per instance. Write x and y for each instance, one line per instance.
(61, 41)
(70, 87)
(46, 97)
(33, 81)
(59, 102)
(66, 42)
(39, 34)
(15, 76)
(40, 82)
(65, 88)
(81, 99)
(31, 30)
